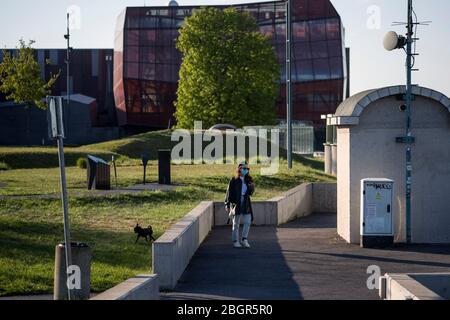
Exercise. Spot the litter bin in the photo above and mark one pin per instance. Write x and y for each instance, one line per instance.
(98, 173)
(80, 277)
(164, 166)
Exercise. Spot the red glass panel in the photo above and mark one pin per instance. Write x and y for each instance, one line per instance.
(132, 38)
(336, 68)
(280, 32)
(317, 9)
(334, 48)
(148, 37)
(267, 30)
(300, 31)
(333, 29)
(132, 54)
(321, 69)
(300, 9)
(148, 71)
(317, 30)
(319, 49)
(302, 51)
(131, 70)
(147, 55)
(304, 70)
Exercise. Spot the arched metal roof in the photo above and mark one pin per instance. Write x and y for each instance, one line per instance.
(349, 111)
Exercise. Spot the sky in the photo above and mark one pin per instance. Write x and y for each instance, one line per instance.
(365, 21)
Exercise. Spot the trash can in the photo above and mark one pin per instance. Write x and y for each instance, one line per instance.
(164, 166)
(98, 173)
(80, 276)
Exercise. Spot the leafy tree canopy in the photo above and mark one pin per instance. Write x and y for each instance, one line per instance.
(20, 77)
(229, 71)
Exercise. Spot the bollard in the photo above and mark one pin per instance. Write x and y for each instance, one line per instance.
(328, 158)
(113, 159)
(164, 166)
(334, 159)
(145, 158)
(80, 275)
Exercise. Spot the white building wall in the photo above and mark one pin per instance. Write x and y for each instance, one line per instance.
(374, 153)
(343, 186)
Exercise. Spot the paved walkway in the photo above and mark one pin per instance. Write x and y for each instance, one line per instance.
(303, 259)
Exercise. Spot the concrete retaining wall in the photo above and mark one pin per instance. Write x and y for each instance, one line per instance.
(265, 213)
(142, 287)
(298, 202)
(295, 203)
(175, 248)
(420, 286)
(324, 198)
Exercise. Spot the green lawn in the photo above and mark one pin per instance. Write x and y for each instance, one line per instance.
(31, 227)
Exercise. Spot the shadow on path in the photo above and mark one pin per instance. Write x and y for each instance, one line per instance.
(303, 259)
(219, 271)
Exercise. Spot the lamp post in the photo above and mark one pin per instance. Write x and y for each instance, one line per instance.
(289, 83)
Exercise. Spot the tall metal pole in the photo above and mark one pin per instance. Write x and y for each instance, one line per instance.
(65, 209)
(67, 36)
(68, 244)
(408, 120)
(289, 83)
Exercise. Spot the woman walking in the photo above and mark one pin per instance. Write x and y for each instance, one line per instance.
(238, 204)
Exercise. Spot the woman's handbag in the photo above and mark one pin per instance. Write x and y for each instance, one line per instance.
(231, 213)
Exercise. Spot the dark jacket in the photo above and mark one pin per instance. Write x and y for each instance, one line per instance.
(233, 196)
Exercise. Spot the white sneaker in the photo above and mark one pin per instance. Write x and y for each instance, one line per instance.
(236, 244)
(245, 243)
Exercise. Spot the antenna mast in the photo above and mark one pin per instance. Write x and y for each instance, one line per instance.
(393, 41)
(409, 66)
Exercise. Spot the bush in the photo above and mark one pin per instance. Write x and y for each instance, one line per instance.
(4, 166)
(82, 163)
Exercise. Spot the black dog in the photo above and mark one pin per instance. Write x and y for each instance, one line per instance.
(141, 232)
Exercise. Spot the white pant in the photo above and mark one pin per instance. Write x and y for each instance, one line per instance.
(247, 220)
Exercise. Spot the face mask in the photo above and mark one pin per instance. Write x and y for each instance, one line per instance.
(244, 172)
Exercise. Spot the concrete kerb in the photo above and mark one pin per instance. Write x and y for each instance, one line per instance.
(415, 286)
(175, 248)
(141, 287)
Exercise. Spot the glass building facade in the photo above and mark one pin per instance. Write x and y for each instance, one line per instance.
(146, 62)
(91, 74)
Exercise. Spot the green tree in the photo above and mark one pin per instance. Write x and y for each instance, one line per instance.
(229, 71)
(20, 77)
